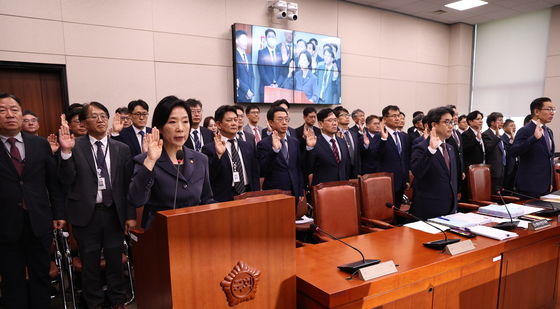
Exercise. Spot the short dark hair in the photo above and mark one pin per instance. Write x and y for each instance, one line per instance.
(222, 110)
(84, 111)
(239, 33)
(493, 117)
(507, 122)
(538, 103)
(435, 114)
(206, 121)
(312, 45)
(461, 117)
(416, 113)
(330, 51)
(164, 109)
(324, 113)
(73, 110)
(273, 110)
(269, 30)
(193, 103)
(138, 102)
(28, 112)
(238, 108)
(417, 118)
(122, 110)
(386, 109)
(472, 115)
(314, 41)
(370, 118)
(424, 120)
(451, 106)
(307, 55)
(251, 107)
(4, 95)
(339, 110)
(280, 101)
(355, 112)
(527, 119)
(308, 110)
(402, 113)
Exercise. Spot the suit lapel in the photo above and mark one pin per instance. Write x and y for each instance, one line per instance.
(4, 156)
(114, 156)
(132, 137)
(322, 142)
(188, 165)
(165, 163)
(86, 149)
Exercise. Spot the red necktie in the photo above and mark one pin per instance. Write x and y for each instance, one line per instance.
(446, 156)
(16, 156)
(335, 151)
(257, 135)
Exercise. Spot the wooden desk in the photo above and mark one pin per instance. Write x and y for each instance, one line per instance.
(517, 273)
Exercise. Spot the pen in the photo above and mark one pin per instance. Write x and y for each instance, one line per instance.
(442, 218)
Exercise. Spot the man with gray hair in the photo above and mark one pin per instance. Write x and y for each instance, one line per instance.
(359, 118)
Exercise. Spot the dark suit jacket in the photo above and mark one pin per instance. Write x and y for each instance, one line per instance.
(207, 137)
(38, 187)
(390, 161)
(291, 132)
(511, 161)
(356, 161)
(494, 155)
(458, 153)
(413, 135)
(221, 176)
(79, 173)
(249, 139)
(277, 173)
(246, 77)
(155, 189)
(320, 161)
(435, 186)
(269, 70)
(299, 135)
(128, 137)
(535, 170)
(472, 150)
(370, 155)
(331, 87)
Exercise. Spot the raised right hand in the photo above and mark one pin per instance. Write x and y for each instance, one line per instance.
(219, 144)
(539, 130)
(384, 133)
(276, 143)
(435, 141)
(117, 123)
(53, 142)
(154, 145)
(66, 139)
(63, 120)
(310, 137)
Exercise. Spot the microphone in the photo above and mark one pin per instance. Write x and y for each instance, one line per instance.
(180, 156)
(436, 244)
(546, 212)
(506, 226)
(350, 268)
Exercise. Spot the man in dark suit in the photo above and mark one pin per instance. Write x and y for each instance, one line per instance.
(351, 138)
(243, 68)
(394, 152)
(285, 105)
(327, 156)
(32, 205)
(328, 79)
(456, 142)
(97, 171)
(495, 150)
(473, 146)
(199, 135)
(534, 144)
(133, 135)
(252, 112)
(359, 118)
(434, 167)
(245, 136)
(234, 167)
(309, 119)
(370, 160)
(269, 62)
(417, 129)
(279, 155)
(511, 161)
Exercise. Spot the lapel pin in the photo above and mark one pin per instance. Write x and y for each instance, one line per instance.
(191, 161)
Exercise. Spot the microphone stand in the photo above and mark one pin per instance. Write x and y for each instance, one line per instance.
(179, 156)
(506, 226)
(546, 212)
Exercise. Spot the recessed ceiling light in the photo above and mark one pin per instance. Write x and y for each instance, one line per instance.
(465, 4)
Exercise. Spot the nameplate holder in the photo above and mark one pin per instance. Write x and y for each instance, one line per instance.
(133, 237)
(377, 270)
(459, 247)
(538, 224)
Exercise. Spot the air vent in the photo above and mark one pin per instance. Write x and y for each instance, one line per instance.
(439, 12)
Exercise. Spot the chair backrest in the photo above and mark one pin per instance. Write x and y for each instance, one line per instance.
(336, 207)
(410, 191)
(376, 191)
(556, 176)
(479, 182)
(245, 195)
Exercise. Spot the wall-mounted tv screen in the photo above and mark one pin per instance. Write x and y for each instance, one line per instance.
(271, 64)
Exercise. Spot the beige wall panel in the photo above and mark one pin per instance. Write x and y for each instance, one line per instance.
(553, 65)
(203, 18)
(30, 57)
(31, 35)
(459, 74)
(399, 37)
(360, 66)
(359, 29)
(396, 92)
(48, 9)
(433, 43)
(361, 92)
(133, 14)
(398, 69)
(432, 73)
(192, 49)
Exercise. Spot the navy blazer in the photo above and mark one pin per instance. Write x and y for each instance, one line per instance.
(245, 76)
(391, 162)
(458, 151)
(128, 137)
(321, 163)
(356, 159)
(221, 176)
(207, 137)
(38, 187)
(535, 170)
(301, 139)
(511, 161)
(494, 155)
(291, 132)
(472, 149)
(277, 173)
(370, 156)
(155, 189)
(435, 186)
(269, 70)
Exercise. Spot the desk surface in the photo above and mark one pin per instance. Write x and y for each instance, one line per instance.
(319, 278)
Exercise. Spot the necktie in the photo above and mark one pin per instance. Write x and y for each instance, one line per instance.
(241, 136)
(397, 142)
(237, 167)
(273, 66)
(15, 155)
(348, 139)
(107, 193)
(284, 150)
(257, 135)
(456, 137)
(335, 150)
(445, 154)
(547, 138)
(501, 145)
(141, 140)
(324, 84)
(245, 61)
(196, 139)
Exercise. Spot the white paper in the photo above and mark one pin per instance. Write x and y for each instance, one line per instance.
(491, 232)
(424, 227)
(304, 220)
(524, 224)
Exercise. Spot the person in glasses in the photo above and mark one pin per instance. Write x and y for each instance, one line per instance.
(125, 116)
(30, 122)
(133, 136)
(495, 149)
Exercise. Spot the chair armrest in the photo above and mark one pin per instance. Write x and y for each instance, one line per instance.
(300, 243)
(507, 198)
(321, 238)
(366, 229)
(376, 223)
(482, 203)
(468, 206)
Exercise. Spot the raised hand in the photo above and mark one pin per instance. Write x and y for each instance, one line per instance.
(366, 139)
(63, 121)
(384, 133)
(310, 138)
(117, 123)
(435, 141)
(154, 148)
(276, 143)
(219, 144)
(66, 139)
(539, 130)
(53, 142)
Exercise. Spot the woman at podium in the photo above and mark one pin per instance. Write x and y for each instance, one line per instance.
(169, 175)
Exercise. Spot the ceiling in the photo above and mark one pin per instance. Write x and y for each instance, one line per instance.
(495, 9)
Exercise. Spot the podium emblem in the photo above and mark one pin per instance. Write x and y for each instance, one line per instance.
(241, 284)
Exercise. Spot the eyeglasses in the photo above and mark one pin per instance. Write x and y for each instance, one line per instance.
(282, 119)
(254, 112)
(448, 122)
(29, 120)
(330, 120)
(76, 121)
(549, 109)
(98, 116)
(394, 116)
(140, 115)
(124, 118)
(196, 111)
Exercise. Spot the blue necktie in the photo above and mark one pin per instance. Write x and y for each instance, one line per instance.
(397, 142)
(106, 194)
(501, 145)
(141, 140)
(547, 138)
(284, 150)
(196, 139)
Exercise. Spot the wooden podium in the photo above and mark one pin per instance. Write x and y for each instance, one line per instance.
(272, 94)
(239, 253)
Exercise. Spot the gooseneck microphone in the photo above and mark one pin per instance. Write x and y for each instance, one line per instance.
(506, 226)
(350, 268)
(180, 156)
(549, 211)
(436, 244)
